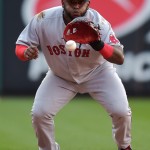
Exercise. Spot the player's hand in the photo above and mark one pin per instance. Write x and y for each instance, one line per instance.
(31, 53)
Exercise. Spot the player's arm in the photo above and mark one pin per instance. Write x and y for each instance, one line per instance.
(25, 53)
(117, 56)
(113, 54)
(28, 40)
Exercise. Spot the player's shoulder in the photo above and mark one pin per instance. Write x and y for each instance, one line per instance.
(96, 16)
(93, 14)
(51, 13)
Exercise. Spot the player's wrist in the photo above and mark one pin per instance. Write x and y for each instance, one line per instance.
(97, 45)
(105, 49)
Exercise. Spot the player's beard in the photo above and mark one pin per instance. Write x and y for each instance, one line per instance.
(71, 17)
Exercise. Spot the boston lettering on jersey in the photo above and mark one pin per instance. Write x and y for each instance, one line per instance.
(60, 50)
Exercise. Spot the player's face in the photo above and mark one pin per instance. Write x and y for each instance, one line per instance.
(74, 8)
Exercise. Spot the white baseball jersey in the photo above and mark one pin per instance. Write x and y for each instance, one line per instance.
(87, 70)
(78, 66)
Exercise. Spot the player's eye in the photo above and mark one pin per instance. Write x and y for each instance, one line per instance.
(75, 2)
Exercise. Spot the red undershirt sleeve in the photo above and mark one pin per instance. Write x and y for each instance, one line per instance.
(107, 51)
(20, 52)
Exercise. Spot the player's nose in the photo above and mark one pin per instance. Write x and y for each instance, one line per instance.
(76, 6)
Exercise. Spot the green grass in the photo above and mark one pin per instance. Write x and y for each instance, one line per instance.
(82, 124)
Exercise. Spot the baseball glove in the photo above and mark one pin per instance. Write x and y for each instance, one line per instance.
(81, 30)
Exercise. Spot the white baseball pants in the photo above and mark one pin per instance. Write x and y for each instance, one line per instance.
(54, 93)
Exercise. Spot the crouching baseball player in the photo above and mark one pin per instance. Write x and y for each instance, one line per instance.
(87, 69)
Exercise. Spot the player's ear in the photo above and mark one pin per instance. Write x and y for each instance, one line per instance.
(89, 3)
(62, 2)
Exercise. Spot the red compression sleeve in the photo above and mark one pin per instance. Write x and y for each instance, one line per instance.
(107, 51)
(20, 52)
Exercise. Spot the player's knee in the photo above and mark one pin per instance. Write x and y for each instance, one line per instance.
(40, 116)
(121, 112)
(122, 118)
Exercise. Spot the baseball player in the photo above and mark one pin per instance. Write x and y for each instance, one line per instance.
(88, 69)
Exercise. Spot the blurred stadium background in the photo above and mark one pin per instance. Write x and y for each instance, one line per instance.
(130, 20)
